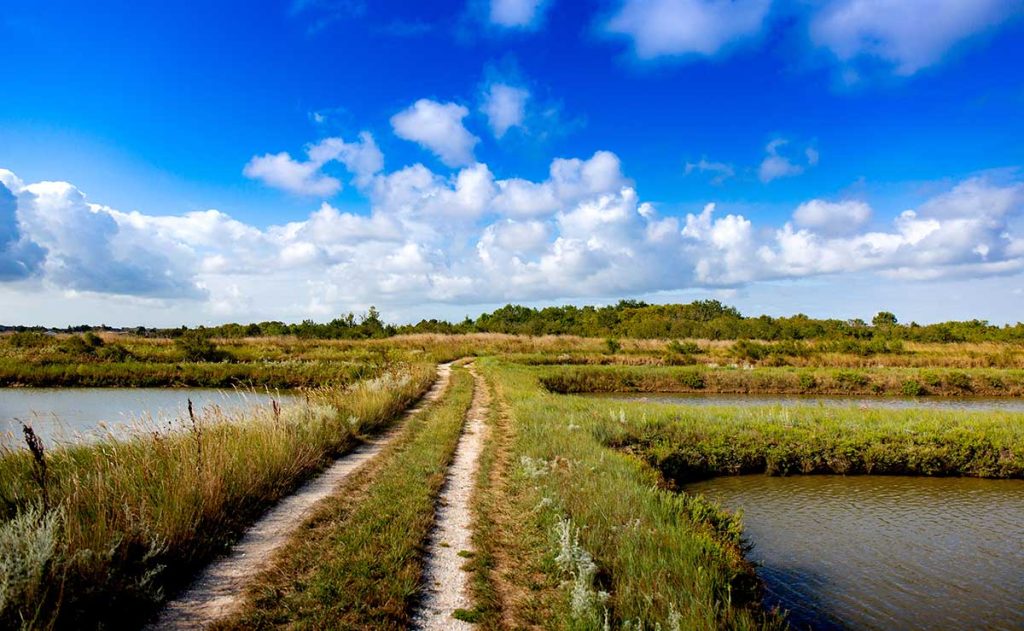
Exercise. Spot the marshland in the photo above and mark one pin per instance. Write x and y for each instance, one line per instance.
(640, 467)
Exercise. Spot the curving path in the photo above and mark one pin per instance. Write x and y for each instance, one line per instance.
(447, 584)
(218, 590)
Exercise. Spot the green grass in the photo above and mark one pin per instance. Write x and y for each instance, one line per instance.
(135, 374)
(132, 519)
(767, 380)
(615, 542)
(687, 443)
(358, 562)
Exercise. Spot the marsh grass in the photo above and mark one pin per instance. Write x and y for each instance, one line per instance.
(773, 380)
(134, 518)
(688, 444)
(358, 562)
(608, 539)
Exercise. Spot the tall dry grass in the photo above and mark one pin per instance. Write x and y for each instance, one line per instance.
(129, 521)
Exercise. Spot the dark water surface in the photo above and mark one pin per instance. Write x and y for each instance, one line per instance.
(1004, 404)
(879, 552)
(71, 414)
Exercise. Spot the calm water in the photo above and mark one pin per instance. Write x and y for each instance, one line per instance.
(77, 413)
(749, 400)
(876, 552)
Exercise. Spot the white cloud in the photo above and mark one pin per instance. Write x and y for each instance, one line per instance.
(515, 13)
(719, 170)
(437, 127)
(776, 165)
(679, 27)
(279, 170)
(505, 107)
(908, 34)
(832, 218)
(471, 239)
(84, 247)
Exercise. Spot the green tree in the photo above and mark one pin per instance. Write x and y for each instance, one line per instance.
(884, 319)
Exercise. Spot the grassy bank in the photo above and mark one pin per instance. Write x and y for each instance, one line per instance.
(601, 538)
(693, 443)
(95, 535)
(820, 381)
(357, 563)
(133, 374)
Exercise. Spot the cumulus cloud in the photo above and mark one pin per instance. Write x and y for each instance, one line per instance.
(19, 257)
(515, 13)
(280, 170)
(505, 107)
(832, 218)
(777, 165)
(84, 247)
(470, 238)
(679, 27)
(908, 34)
(437, 127)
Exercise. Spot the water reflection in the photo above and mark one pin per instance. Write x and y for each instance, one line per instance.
(877, 552)
(73, 414)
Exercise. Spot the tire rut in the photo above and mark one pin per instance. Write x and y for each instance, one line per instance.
(446, 583)
(218, 590)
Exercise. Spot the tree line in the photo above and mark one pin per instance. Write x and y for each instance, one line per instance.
(705, 319)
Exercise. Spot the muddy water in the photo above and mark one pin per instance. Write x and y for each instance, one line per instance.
(876, 552)
(73, 414)
(750, 400)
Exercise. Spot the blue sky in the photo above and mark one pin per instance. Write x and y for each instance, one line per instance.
(445, 157)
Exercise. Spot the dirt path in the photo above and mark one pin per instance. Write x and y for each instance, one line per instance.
(447, 583)
(218, 590)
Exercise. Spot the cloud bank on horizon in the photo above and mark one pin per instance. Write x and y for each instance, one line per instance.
(469, 238)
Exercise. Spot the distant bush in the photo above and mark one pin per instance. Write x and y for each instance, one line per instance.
(808, 382)
(86, 344)
(196, 346)
(693, 379)
(960, 381)
(851, 380)
(613, 345)
(27, 339)
(912, 388)
(114, 353)
(683, 348)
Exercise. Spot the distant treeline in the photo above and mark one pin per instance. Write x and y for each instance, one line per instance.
(706, 319)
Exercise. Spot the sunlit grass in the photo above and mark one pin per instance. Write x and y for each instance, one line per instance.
(135, 517)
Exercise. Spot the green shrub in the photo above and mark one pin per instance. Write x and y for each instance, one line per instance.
(683, 348)
(753, 351)
(28, 339)
(808, 382)
(87, 344)
(960, 381)
(851, 380)
(114, 353)
(912, 388)
(693, 379)
(197, 346)
(613, 345)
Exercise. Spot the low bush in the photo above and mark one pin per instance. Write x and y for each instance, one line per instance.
(912, 388)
